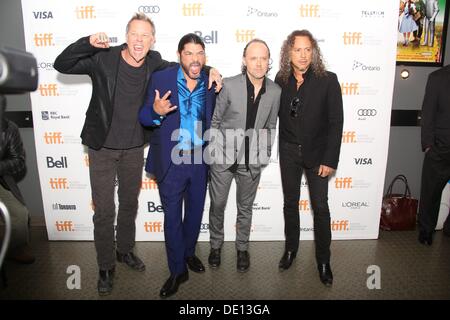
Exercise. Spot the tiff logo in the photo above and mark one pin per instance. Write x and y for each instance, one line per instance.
(309, 11)
(43, 14)
(64, 226)
(349, 137)
(303, 205)
(339, 225)
(48, 90)
(343, 183)
(350, 88)
(86, 160)
(53, 138)
(155, 226)
(58, 183)
(149, 184)
(244, 35)
(352, 38)
(85, 12)
(43, 39)
(192, 9)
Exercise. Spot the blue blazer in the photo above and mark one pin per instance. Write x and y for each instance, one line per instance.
(161, 145)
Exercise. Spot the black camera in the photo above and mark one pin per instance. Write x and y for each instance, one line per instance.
(18, 71)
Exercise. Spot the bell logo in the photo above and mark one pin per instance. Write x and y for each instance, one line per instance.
(155, 226)
(52, 163)
(343, 183)
(349, 137)
(350, 88)
(352, 38)
(208, 38)
(244, 35)
(48, 90)
(303, 205)
(309, 11)
(339, 225)
(53, 138)
(58, 183)
(64, 226)
(43, 39)
(192, 9)
(149, 184)
(152, 207)
(85, 12)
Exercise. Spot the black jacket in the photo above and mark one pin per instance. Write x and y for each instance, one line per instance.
(102, 67)
(12, 158)
(436, 112)
(320, 121)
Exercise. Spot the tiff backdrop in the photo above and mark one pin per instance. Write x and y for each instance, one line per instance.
(358, 42)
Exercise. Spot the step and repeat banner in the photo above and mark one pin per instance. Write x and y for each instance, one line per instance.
(358, 42)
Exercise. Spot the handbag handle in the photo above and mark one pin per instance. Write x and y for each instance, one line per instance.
(401, 177)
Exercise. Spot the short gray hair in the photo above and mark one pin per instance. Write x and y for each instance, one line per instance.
(141, 17)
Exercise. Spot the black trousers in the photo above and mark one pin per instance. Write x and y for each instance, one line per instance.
(292, 167)
(435, 174)
(104, 166)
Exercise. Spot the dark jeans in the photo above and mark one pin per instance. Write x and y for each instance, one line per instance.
(292, 167)
(435, 174)
(104, 166)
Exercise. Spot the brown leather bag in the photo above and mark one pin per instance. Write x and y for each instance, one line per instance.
(398, 211)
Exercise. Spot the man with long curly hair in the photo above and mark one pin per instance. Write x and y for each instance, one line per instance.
(311, 120)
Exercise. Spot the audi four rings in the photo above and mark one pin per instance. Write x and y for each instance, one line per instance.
(367, 112)
(149, 9)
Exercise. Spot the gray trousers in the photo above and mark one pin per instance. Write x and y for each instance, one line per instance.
(219, 188)
(19, 220)
(104, 166)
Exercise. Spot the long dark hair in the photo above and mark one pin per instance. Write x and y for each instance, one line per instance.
(317, 64)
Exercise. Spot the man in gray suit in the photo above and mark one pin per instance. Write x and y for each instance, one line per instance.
(243, 126)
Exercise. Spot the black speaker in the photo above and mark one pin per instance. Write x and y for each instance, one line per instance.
(18, 71)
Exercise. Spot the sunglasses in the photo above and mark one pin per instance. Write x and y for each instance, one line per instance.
(296, 104)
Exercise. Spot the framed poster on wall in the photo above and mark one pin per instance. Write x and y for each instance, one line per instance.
(421, 32)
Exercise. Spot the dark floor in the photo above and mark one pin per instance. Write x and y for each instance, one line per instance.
(408, 270)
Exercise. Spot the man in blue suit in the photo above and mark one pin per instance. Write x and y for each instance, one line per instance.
(180, 117)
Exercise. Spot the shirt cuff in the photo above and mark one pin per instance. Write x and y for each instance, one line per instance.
(157, 119)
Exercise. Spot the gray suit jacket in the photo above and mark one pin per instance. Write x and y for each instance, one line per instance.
(228, 125)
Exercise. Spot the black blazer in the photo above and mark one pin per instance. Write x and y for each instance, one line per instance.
(102, 67)
(12, 158)
(320, 121)
(436, 111)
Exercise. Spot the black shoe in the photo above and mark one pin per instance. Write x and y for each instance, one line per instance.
(214, 258)
(170, 287)
(105, 282)
(426, 238)
(325, 274)
(131, 260)
(195, 264)
(243, 261)
(287, 259)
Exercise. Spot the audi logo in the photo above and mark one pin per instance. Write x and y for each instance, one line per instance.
(367, 112)
(149, 9)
